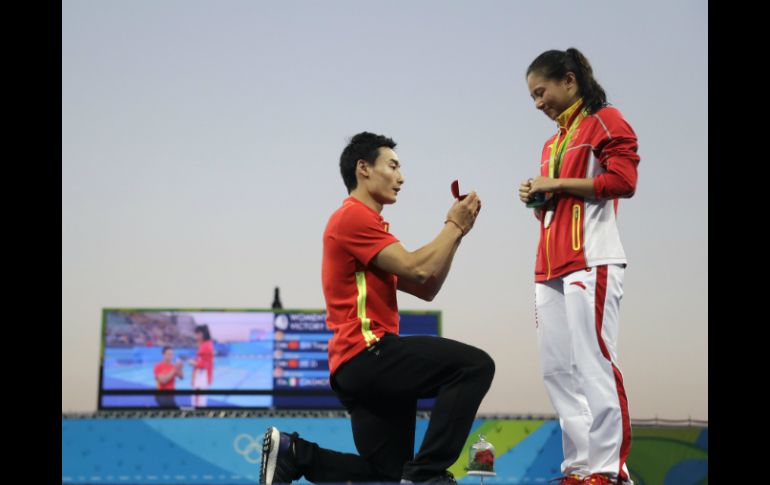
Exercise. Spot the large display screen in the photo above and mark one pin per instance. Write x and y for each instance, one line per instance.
(214, 358)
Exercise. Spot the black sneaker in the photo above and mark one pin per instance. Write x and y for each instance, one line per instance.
(279, 465)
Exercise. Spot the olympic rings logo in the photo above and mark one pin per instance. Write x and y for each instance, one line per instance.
(249, 447)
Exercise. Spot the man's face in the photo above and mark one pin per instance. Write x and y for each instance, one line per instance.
(168, 355)
(385, 178)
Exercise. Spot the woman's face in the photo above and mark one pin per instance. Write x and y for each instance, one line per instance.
(552, 96)
(199, 337)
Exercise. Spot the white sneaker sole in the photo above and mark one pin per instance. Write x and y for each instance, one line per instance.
(270, 445)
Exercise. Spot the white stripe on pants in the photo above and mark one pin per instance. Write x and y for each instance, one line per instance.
(200, 381)
(580, 369)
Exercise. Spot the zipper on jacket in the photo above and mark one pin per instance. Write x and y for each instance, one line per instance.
(547, 253)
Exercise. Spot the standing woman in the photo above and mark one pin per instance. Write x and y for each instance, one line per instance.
(203, 365)
(585, 168)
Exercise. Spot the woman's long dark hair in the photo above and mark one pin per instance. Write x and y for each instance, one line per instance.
(204, 329)
(555, 64)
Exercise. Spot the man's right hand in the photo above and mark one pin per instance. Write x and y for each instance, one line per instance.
(463, 213)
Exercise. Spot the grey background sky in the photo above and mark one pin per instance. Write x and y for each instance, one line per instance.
(200, 143)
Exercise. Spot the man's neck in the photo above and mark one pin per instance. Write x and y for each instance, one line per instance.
(361, 194)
